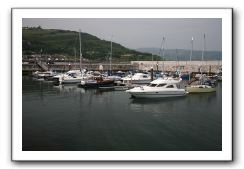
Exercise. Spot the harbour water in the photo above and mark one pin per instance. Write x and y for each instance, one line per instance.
(67, 118)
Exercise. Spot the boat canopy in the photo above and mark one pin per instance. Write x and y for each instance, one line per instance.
(169, 80)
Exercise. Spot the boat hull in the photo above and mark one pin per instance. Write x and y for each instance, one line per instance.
(136, 81)
(70, 81)
(121, 88)
(200, 90)
(97, 85)
(157, 94)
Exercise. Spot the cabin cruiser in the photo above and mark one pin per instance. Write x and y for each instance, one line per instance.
(71, 77)
(96, 82)
(114, 77)
(158, 88)
(138, 78)
(43, 75)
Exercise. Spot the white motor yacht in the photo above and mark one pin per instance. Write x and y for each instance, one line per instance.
(42, 75)
(138, 78)
(158, 88)
(72, 76)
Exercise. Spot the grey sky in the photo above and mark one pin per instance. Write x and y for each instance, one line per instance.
(140, 33)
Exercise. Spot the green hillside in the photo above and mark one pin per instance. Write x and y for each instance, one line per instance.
(63, 42)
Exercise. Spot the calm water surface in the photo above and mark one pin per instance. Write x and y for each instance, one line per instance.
(67, 118)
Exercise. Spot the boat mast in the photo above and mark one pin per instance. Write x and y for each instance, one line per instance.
(203, 52)
(177, 60)
(191, 48)
(189, 72)
(163, 45)
(80, 49)
(203, 48)
(162, 49)
(110, 59)
(75, 57)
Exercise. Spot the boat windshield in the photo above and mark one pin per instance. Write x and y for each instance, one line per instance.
(161, 85)
(170, 86)
(72, 74)
(152, 85)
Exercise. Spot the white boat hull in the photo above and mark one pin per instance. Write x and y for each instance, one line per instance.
(121, 88)
(157, 94)
(153, 95)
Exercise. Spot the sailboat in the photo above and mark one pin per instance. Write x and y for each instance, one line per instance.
(203, 85)
(187, 76)
(72, 76)
(161, 52)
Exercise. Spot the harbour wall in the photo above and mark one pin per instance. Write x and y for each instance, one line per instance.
(183, 66)
(61, 66)
(167, 66)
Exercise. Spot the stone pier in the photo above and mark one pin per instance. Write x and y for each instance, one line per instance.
(183, 66)
(167, 66)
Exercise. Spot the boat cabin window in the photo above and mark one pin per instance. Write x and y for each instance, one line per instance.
(152, 85)
(144, 76)
(161, 85)
(170, 86)
(72, 74)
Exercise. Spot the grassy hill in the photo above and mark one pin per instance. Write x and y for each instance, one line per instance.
(52, 41)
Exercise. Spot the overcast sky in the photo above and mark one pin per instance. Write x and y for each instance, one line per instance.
(141, 33)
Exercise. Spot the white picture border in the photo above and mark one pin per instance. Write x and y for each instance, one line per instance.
(19, 155)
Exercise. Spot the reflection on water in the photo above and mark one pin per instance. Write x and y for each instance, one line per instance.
(69, 90)
(69, 118)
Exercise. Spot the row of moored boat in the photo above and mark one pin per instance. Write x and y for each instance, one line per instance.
(139, 85)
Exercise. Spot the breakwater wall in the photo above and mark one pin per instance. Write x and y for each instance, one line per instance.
(62, 66)
(183, 66)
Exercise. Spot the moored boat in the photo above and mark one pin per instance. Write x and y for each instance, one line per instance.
(43, 75)
(200, 89)
(121, 88)
(71, 77)
(203, 85)
(158, 88)
(96, 82)
(138, 78)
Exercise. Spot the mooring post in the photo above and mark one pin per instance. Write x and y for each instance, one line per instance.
(69, 66)
(151, 73)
